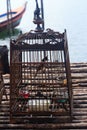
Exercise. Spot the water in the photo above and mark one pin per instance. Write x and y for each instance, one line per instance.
(59, 15)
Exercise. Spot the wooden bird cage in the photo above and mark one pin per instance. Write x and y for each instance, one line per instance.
(40, 76)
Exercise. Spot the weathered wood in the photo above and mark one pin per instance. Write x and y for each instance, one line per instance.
(51, 126)
(79, 119)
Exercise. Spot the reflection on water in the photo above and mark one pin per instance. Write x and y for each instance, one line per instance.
(5, 34)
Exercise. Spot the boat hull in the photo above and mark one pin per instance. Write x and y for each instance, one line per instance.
(15, 19)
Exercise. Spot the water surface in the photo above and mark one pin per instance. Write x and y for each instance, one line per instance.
(59, 15)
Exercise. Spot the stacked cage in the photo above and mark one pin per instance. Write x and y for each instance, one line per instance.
(40, 76)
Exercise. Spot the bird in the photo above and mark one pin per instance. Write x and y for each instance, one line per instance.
(45, 59)
(41, 66)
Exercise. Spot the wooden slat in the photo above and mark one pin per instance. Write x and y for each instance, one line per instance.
(79, 119)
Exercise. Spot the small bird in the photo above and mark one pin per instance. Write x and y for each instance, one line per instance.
(45, 59)
(41, 66)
